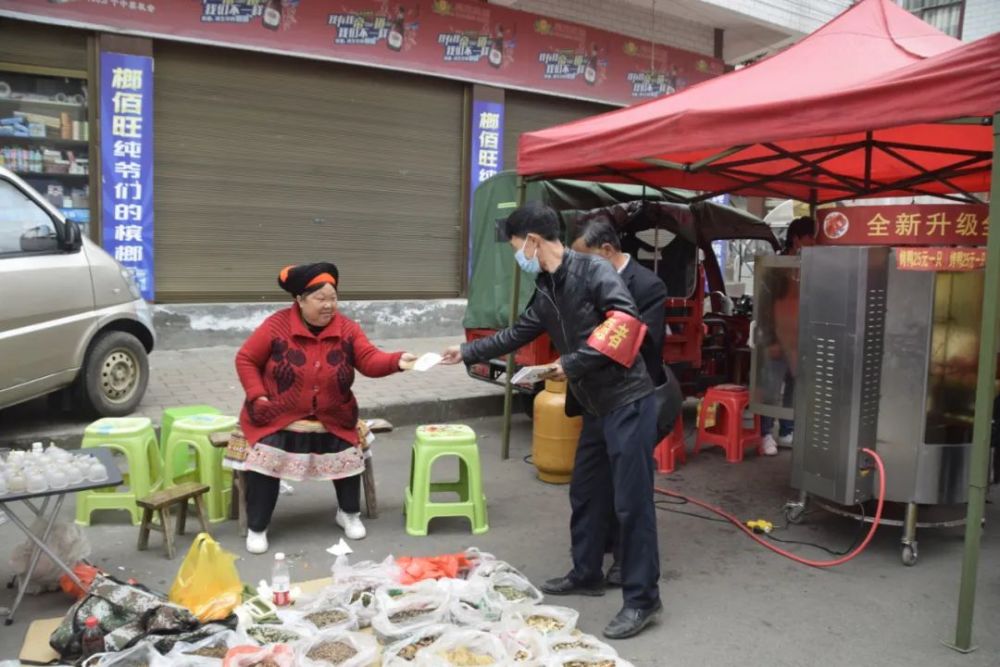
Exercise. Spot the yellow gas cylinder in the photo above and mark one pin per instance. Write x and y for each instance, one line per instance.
(554, 436)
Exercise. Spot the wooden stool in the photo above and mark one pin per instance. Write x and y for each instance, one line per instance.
(161, 502)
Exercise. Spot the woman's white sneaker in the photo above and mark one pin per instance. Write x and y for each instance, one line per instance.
(351, 523)
(770, 447)
(257, 542)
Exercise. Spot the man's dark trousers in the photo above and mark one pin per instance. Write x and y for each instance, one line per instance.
(614, 467)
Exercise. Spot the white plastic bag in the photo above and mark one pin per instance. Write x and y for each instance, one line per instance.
(337, 649)
(508, 588)
(264, 634)
(184, 654)
(405, 609)
(460, 648)
(67, 540)
(584, 659)
(404, 652)
(472, 604)
(526, 647)
(547, 619)
(559, 645)
(140, 655)
(325, 617)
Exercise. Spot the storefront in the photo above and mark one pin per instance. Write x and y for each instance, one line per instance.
(262, 156)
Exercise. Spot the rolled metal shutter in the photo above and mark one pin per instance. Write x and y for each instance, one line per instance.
(26, 43)
(526, 112)
(264, 161)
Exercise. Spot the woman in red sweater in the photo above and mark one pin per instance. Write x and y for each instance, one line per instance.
(300, 416)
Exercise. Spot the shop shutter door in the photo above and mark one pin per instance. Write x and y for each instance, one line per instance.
(26, 43)
(263, 161)
(526, 112)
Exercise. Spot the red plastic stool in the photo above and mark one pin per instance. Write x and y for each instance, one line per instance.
(670, 451)
(728, 431)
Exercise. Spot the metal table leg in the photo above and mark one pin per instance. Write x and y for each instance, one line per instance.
(909, 553)
(40, 547)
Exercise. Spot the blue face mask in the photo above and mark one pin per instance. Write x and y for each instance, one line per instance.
(528, 265)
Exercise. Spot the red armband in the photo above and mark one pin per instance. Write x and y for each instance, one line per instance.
(619, 338)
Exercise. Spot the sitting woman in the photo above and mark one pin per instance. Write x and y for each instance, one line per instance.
(300, 417)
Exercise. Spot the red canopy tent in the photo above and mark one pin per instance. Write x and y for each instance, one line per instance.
(854, 109)
(875, 103)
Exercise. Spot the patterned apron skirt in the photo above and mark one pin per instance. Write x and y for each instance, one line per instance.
(305, 451)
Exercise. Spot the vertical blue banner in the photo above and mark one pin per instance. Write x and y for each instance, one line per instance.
(127, 164)
(486, 159)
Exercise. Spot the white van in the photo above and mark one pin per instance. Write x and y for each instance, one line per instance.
(71, 317)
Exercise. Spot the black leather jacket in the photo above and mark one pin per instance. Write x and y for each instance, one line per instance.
(569, 305)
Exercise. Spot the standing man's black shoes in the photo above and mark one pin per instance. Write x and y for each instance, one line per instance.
(568, 586)
(630, 622)
(614, 576)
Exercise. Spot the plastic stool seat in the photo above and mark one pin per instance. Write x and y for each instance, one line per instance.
(135, 438)
(180, 466)
(670, 451)
(192, 434)
(728, 431)
(431, 443)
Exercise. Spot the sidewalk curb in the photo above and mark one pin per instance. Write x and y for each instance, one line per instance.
(398, 414)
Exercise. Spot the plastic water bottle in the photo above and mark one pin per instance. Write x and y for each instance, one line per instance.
(92, 641)
(281, 581)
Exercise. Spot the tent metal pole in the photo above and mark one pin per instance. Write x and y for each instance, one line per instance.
(508, 393)
(985, 390)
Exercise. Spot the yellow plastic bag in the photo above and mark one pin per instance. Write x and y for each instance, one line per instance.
(207, 583)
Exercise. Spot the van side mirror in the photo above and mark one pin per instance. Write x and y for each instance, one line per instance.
(72, 237)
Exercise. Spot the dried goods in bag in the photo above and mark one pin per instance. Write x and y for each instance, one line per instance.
(337, 649)
(404, 652)
(463, 648)
(547, 619)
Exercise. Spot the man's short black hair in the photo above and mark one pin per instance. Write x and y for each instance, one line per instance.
(598, 231)
(533, 219)
(799, 228)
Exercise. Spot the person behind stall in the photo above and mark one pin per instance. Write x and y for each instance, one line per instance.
(584, 306)
(599, 237)
(782, 349)
(300, 417)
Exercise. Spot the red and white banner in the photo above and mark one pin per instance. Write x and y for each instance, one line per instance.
(916, 225)
(471, 41)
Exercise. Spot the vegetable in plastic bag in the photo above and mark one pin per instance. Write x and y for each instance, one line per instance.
(547, 619)
(207, 651)
(405, 609)
(324, 617)
(207, 582)
(265, 634)
(404, 652)
(510, 587)
(579, 644)
(463, 648)
(583, 659)
(337, 649)
(526, 647)
(471, 603)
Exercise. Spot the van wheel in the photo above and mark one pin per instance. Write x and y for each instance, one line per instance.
(114, 376)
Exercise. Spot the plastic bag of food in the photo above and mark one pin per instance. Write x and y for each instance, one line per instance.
(578, 644)
(337, 649)
(140, 655)
(405, 609)
(67, 540)
(275, 655)
(463, 648)
(265, 634)
(547, 619)
(471, 604)
(508, 587)
(526, 647)
(208, 651)
(324, 617)
(343, 574)
(585, 659)
(207, 582)
(404, 652)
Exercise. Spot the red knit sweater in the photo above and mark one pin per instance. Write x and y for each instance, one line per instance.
(304, 374)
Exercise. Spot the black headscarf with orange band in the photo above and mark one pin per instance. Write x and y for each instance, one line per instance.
(298, 279)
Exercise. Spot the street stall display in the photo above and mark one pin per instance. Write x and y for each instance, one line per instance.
(40, 480)
(874, 104)
(365, 614)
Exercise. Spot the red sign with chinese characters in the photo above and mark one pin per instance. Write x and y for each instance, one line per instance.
(471, 41)
(940, 259)
(916, 224)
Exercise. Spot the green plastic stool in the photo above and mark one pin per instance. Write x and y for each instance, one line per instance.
(192, 433)
(433, 442)
(181, 468)
(135, 438)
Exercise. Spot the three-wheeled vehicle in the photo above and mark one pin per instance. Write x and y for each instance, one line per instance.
(674, 240)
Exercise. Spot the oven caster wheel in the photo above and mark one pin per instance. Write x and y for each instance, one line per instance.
(795, 513)
(909, 554)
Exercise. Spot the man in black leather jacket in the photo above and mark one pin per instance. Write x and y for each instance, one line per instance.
(614, 458)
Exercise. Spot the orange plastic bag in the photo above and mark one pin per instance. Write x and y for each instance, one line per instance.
(207, 583)
(416, 569)
(85, 572)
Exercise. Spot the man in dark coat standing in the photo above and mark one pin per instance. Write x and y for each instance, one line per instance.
(599, 237)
